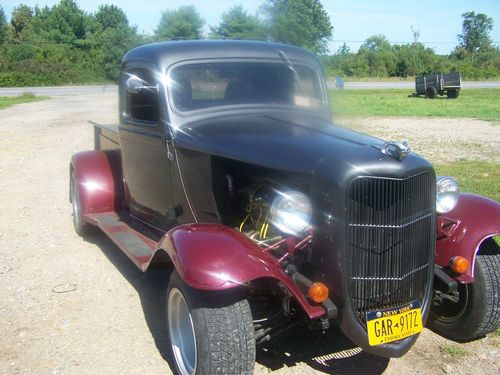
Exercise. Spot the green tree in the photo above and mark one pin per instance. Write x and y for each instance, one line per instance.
(476, 28)
(3, 26)
(63, 23)
(110, 16)
(238, 24)
(182, 23)
(304, 23)
(376, 43)
(414, 59)
(376, 57)
(21, 21)
(112, 38)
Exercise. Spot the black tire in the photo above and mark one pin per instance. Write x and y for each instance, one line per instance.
(81, 228)
(452, 94)
(477, 311)
(210, 332)
(431, 92)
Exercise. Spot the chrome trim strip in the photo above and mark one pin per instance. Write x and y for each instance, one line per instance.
(393, 226)
(392, 278)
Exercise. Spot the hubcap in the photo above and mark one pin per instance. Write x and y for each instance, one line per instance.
(181, 331)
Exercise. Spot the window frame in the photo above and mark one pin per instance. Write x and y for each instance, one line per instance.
(125, 115)
(229, 107)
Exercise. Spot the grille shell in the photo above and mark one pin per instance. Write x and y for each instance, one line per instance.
(390, 240)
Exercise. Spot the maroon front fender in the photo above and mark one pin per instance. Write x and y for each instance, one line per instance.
(98, 174)
(215, 257)
(462, 230)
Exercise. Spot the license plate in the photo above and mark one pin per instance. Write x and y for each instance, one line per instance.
(393, 324)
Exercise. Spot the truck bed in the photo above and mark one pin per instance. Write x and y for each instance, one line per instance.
(105, 136)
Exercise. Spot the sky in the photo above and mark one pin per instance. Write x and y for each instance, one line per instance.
(438, 21)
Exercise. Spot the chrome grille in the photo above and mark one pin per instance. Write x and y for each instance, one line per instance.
(390, 240)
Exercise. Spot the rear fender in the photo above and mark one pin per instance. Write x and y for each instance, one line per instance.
(99, 179)
(215, 257)
(462, 230)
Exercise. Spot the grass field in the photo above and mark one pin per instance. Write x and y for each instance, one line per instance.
(473, 103)
(474, 177)
(7, 101)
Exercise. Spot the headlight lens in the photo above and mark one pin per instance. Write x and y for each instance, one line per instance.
(291, 212)
(447, 192)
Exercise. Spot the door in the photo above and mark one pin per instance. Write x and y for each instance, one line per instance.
(146, 166)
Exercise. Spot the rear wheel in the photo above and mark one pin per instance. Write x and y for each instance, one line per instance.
(476, 311)
(210, 332)
(81, 228)
(431, 92)
(452, 94)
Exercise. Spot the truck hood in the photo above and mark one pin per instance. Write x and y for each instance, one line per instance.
(295, 143)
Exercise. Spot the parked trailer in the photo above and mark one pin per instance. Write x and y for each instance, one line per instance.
(434, 84)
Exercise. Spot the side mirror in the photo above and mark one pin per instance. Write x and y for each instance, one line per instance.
(135, 85)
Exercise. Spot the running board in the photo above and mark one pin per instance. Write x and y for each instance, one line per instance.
(139, 248)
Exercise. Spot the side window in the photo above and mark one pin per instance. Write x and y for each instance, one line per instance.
(143, 105)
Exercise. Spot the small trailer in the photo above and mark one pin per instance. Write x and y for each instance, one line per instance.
(434, 84)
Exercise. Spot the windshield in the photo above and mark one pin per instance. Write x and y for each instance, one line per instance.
(205, 85)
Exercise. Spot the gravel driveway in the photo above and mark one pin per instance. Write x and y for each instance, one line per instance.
(69, 306)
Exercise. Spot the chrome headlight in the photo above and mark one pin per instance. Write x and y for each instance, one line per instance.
(291, 212)
(447, 192)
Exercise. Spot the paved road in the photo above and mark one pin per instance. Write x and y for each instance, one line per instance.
(59, 91)
(87, 90)
(409, 85)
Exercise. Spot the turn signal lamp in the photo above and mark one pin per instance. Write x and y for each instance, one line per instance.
(459, 264)
(318, 292)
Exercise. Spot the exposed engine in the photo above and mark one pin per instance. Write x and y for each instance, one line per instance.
(275, 213)
(277, 218)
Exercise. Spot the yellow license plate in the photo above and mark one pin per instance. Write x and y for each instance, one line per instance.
(393, 324)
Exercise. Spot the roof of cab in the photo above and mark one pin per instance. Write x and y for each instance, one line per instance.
(162, 55)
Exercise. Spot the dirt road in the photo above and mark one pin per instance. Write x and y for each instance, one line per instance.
(68, 306)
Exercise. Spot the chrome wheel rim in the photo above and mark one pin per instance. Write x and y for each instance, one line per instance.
(75, 203)
(181, 331)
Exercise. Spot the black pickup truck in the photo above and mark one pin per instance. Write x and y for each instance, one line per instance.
(434, 84)
(225, 169)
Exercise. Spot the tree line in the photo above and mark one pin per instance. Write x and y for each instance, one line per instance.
(63, 44)
(475, 56)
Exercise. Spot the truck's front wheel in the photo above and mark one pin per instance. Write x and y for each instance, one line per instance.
(477, 309)
(210, 332)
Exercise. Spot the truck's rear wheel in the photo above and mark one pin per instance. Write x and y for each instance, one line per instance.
(452, 94)
(210, 332)
(477, 311)
(81, 228)
(431, 92)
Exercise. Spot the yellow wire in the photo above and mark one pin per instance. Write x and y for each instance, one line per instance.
(265, 230)
(243, 222)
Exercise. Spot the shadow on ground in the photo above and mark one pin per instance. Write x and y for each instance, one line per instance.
(329, 352)
(151, 288)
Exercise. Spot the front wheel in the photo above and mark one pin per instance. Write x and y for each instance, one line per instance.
(476, 311)
(210, 332)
